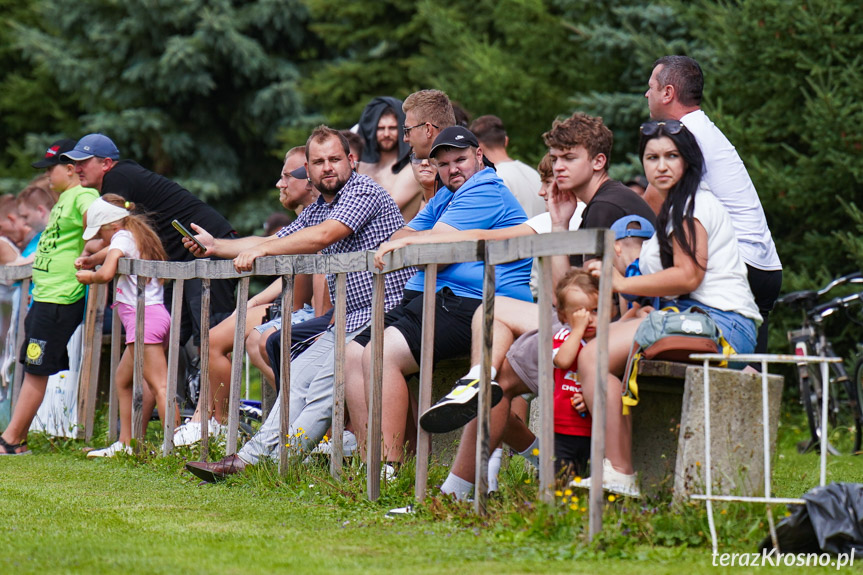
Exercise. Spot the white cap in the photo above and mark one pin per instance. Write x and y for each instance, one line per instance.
(100, 213)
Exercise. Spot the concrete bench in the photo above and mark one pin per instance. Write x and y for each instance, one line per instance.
(668, 428)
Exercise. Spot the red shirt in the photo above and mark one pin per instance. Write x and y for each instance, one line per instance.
(567, 420)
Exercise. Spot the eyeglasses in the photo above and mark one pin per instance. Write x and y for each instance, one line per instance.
(671, 127)
(416, 161)
(407, 129)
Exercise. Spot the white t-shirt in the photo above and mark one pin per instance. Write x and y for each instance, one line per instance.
(541, 223)
(727, 177)
(524, 183)
(725, 285)
(127, 286)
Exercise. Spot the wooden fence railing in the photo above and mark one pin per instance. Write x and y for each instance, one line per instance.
(543, 246)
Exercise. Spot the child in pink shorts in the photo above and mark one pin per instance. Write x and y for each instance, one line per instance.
(130, 236)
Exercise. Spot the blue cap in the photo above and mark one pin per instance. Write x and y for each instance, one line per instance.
(622, 230)
(98, 145)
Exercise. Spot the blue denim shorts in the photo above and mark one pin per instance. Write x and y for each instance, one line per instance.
(738, 331)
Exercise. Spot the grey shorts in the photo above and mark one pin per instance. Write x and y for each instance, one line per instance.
(523, 355)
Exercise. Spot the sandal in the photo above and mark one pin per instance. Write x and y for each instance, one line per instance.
(10, 449)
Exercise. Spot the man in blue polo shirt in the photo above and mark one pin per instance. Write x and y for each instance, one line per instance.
(473, 198)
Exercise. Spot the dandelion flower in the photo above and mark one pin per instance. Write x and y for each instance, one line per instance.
(612, 498)
(568, 492)
(535, 451)
(574, 507)
(723, 512)
(577, 479)
(583, 509)
(558, 493)
(527, 481)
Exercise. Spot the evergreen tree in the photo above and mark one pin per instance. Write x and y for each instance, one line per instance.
(30, 103)
(785, 80)
(506, 57)
(194, 90)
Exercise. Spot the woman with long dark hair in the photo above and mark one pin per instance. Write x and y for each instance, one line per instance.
(692, 260)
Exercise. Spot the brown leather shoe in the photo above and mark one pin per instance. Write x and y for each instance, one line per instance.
(212, 472)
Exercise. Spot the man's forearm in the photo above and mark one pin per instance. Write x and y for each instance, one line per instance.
(230, 248)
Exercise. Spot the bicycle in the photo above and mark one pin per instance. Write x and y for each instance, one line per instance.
(844, 410)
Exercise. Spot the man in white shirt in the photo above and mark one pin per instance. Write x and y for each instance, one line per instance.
(674, 93)
(522, 180)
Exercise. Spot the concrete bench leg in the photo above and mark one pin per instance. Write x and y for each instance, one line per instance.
(737, 438)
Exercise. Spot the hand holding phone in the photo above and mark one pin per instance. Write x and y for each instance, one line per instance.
(186, 233)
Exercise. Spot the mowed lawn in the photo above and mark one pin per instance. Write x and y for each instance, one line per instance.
(62, 513)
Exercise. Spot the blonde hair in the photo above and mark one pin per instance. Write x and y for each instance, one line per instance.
(576, 278)
(34, 196)
(431, 106)
(149, 244)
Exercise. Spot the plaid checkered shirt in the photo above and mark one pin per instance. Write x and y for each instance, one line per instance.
(371, 213)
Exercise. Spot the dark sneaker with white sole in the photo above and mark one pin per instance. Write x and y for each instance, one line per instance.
(457, 407)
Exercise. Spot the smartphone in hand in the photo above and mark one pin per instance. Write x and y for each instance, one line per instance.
(185, 232)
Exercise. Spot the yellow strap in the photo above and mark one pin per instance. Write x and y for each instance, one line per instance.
(630, 391)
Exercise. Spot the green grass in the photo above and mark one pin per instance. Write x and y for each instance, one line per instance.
(144, 514)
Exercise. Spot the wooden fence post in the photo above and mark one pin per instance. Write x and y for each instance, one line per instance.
(425, 390)
(373, 447)
(173, 362)
(597, 410)
(237, 355)
(338, 422)
(285, 374)
(204, 395)
(139, 418)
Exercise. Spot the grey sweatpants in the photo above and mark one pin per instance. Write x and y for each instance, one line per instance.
(311, 402)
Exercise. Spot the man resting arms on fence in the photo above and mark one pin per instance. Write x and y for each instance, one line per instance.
(473, 198)
(353, 213)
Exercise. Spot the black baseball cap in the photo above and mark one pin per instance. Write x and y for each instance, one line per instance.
(454, 137)
(54, 152)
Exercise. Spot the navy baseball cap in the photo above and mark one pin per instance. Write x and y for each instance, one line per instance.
(53, 155)
(98, 145)
(299, 173)
(622, 230)
(454, 137)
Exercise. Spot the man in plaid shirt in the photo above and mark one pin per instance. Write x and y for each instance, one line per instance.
(353, 213)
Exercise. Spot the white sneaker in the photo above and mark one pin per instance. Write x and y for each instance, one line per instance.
(613, 481)
(349, 445)
(388, 473)
(190, 432)
(111, 450)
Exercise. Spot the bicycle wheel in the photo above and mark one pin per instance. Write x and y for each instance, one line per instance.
(843, 414)
(856, 387)
(809, 381)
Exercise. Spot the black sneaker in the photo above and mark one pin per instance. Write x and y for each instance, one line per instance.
(457, 407)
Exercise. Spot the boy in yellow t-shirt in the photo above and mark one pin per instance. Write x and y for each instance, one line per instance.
(58, 298)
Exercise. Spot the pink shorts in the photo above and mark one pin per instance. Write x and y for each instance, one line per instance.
(157, 322)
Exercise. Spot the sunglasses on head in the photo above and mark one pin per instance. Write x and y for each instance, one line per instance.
(672, 127)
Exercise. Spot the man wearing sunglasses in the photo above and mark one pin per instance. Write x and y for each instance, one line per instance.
(427, 113)
(674, 93)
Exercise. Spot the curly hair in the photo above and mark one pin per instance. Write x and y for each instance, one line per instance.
(581, 130)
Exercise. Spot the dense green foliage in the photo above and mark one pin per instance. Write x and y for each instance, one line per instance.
(194, 90)
(210, 92)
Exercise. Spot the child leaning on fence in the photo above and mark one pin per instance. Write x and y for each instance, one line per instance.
(577, 296)
(129, 235)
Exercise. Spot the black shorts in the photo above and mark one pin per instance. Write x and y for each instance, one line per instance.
(571, 454)
(47, 330)
(453, 316)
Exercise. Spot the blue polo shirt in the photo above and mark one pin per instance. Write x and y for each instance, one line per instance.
(482, 203)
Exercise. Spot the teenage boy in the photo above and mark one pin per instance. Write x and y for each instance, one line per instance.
(58, 297)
